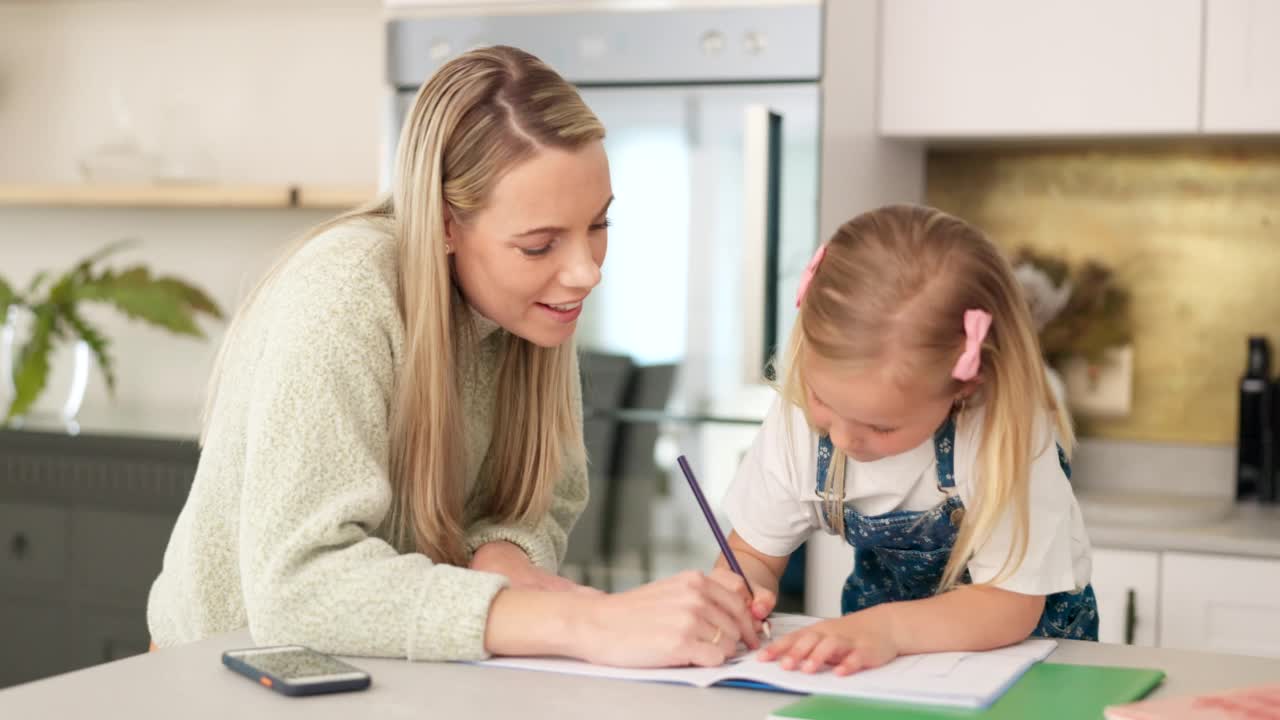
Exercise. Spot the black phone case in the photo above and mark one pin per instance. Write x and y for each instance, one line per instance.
(285, 687)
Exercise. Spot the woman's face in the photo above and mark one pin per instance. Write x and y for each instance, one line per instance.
(530, 258)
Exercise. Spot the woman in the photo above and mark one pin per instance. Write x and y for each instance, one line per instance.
(393, 452)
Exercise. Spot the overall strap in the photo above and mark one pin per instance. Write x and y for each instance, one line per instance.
(825, 451)
(944, 452)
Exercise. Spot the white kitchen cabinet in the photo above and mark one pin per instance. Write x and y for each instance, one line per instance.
(1242, 66)
(1127, 583)
(1220, 603)
(988, 68)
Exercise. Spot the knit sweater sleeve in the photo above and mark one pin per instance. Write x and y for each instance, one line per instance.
(544, 539)
(316, 485)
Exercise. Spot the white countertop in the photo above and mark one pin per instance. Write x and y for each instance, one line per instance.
(182, 425)
(1164, 496)
(189, 682)
(1249, 529)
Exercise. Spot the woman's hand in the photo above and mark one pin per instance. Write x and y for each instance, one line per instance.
(760, 605)
(508, 559)
(688, 619)
(859, 641)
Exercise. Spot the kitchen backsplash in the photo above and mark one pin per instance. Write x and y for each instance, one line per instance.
(1192, 230)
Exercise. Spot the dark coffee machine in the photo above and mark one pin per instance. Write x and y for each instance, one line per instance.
(1255, 448)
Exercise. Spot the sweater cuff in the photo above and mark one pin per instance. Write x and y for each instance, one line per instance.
(454, 613)
(534, 544)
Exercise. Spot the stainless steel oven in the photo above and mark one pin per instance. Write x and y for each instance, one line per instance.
(713, 139)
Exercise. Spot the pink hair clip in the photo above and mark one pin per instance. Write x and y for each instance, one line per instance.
(976, 325)
(809, 271)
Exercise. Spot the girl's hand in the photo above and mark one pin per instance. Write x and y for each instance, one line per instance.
(760, 605)
(688, 619)
(859, 641)
(508, 559)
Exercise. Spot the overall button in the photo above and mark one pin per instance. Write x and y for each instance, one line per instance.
(957, 516)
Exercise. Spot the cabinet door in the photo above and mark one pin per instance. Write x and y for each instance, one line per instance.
(984, 68)
(1242, 66)
(104, 634)
(1127, 583)
(33, 641)
(115, 556)
(1220, 603)
(33, 545)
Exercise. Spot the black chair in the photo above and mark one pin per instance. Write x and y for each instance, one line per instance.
(605, 378)
(636, 477)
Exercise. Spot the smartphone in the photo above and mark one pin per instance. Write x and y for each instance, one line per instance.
(296, 670)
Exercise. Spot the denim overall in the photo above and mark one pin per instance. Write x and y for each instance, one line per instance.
(901, 555)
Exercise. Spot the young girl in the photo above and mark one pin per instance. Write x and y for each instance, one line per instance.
(393, 457)
(916, 422)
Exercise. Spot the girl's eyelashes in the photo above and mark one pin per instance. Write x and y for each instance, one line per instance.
(603, 225)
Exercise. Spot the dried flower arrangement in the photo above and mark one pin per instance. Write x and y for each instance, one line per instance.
(1078, 312)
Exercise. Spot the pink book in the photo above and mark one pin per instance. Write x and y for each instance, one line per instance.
(1260, 702)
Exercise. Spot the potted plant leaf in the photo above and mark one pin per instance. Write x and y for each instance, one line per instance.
(52, 313)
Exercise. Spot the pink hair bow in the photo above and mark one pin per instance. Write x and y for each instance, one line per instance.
(809, 271)
(976, 325)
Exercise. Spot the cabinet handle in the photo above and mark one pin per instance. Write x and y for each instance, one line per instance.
(18, 545)
(1130, 615)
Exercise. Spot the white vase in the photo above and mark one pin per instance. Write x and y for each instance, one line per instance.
(13, 336)
(1103, 389)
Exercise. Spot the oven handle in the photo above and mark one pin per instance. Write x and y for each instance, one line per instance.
(762, 187)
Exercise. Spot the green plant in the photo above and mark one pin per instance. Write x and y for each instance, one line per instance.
(166, 302)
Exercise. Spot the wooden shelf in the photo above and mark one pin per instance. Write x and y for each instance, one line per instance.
(183, 196)
(332, 198)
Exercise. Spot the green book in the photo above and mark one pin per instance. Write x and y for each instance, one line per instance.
(1047, 691)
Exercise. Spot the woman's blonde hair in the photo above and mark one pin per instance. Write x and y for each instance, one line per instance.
(893, 287)
(477, 117)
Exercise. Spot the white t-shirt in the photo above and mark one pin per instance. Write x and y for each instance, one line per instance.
(773, 505)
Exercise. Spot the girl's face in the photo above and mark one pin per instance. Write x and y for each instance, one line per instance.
(529, 259)
(867, 414)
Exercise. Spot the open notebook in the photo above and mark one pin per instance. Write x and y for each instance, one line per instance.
(956, 679)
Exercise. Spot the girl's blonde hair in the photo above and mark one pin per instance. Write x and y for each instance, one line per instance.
(477, 117)
(893, 287)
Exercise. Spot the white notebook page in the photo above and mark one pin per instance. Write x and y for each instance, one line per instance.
(960, 679)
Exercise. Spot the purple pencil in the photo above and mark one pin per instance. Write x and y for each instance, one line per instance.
(715, 528)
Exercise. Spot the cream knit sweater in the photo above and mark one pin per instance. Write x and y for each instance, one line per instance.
(282, 531)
